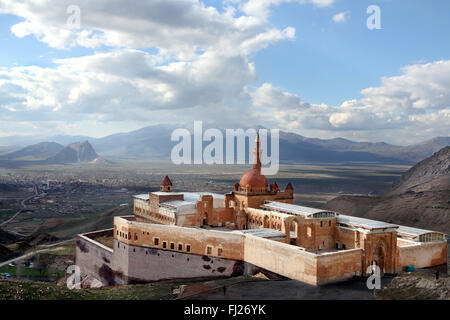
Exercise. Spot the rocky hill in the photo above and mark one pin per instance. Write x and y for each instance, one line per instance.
(431, 174)
(420, 198)
(75, 152)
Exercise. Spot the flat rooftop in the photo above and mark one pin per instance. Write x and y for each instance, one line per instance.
(364, 223)
(178, 204)
(105, 237)
(144, 196)
(292, 208)
(414, 232)
(188, 196)
(263, 233)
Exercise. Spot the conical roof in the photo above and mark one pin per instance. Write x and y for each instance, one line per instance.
(166, 181)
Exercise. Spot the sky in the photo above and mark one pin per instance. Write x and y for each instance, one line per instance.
(312, 67)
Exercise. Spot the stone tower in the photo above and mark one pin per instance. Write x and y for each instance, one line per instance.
(166, 185)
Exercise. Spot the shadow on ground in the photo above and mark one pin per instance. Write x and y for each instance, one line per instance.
(355, 289)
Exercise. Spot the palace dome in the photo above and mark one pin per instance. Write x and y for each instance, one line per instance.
(254, 178)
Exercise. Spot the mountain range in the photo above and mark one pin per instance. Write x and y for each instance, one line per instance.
(154, 142)
(54, 153)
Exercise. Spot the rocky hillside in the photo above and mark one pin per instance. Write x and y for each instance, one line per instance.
(75, 152)
(431, 174)
(418, 285)
(420, 198)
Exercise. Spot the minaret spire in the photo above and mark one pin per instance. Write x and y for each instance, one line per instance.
(257, 153)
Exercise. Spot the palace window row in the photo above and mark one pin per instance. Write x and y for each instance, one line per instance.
(209, 251)
(125, 235)
(324, 215)
(169, 244)
(154, 215)
(322, 224)
(428, 237)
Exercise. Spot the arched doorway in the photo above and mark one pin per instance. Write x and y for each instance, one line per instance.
(379, 256)
(294, 228)
(266, 222)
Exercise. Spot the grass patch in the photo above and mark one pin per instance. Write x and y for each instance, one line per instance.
(7, 213)
(102, 206)
(63, 251)
(27, 290)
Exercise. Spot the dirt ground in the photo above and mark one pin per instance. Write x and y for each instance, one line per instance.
(293, 290)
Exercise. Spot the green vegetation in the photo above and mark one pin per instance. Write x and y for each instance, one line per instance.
(8, 212)
(32, 272)
(64, 251)
(100, 207)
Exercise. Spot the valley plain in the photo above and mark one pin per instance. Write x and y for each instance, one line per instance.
(56, 194)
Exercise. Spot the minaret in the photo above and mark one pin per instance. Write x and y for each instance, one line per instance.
(257, 153)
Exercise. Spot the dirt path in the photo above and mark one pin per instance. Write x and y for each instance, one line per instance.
(47, 247)
(24, 206)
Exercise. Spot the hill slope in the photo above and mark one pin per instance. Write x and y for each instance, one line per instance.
(39, 151)
(412, 153)
(431, 174)
(69, 228)
(420, 198)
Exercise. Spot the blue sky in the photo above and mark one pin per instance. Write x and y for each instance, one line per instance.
(330, 63)
(280, 63)
(28, 50)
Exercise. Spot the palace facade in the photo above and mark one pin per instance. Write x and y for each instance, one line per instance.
(254, 228)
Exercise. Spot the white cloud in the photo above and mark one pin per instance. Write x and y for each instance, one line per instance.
(201, 63)
(268, 96)
(261, 8)
(406, 108)
(124, 84)
(322, 3)
(341, 17)
(176, 27)
(201, 70)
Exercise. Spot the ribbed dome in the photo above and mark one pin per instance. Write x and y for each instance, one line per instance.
(254, 178)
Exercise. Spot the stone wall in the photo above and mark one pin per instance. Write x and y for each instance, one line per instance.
(95, 259)
(345, 237)
(338, 266)
(191, 240)
(422, 255)
(281, 258)
(295, 263)
(150, 264)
